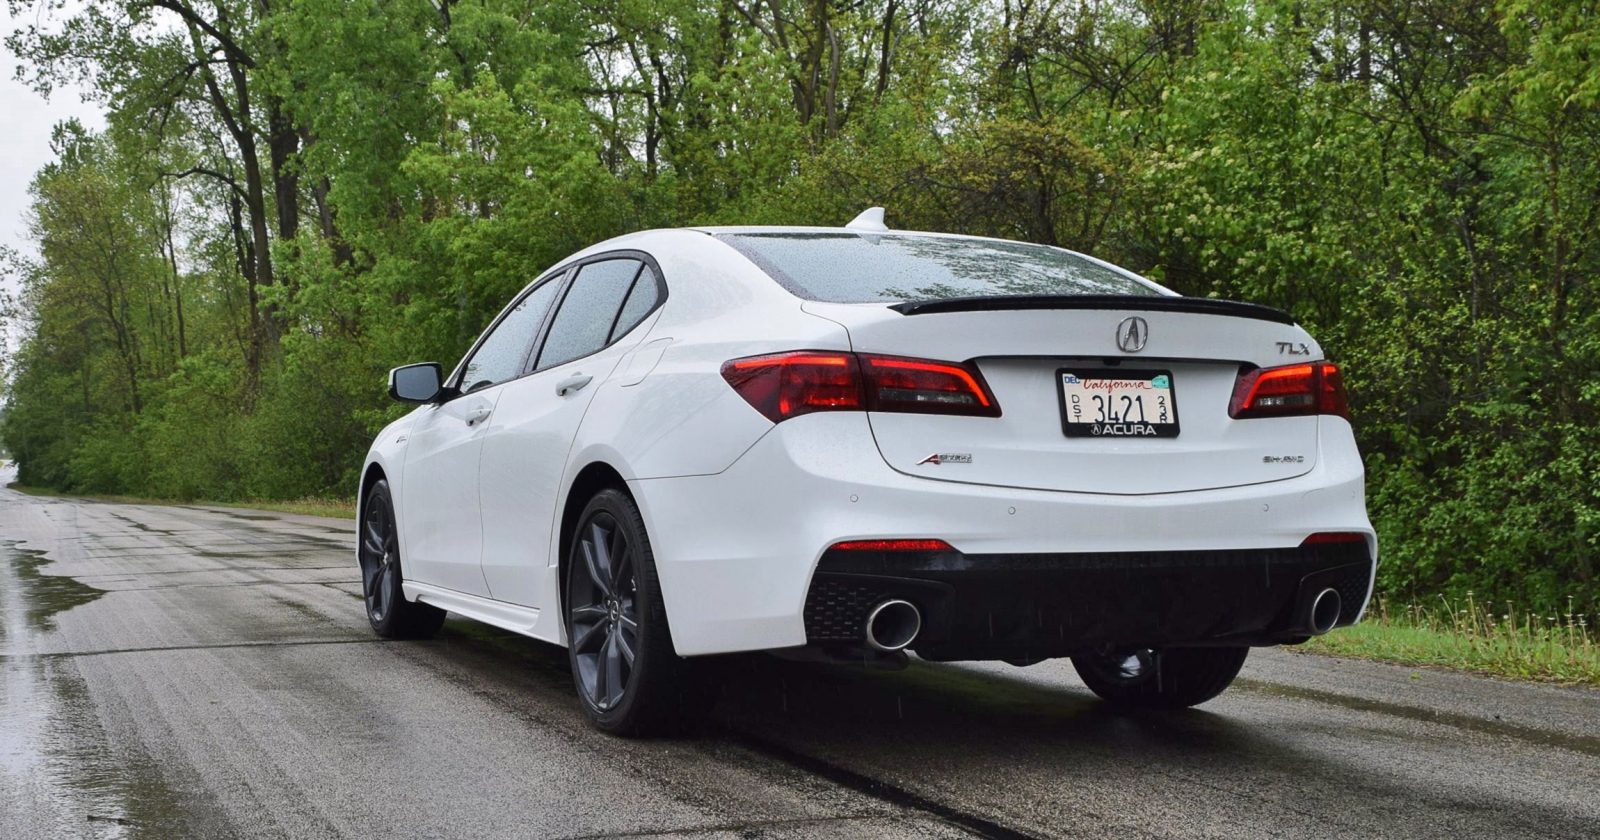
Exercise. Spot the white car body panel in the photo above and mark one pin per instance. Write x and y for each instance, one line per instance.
(444, 543)
(1019, 353)
(731, 309)
(506, 616)
(524, 462)
(745, 581)
(740, 510)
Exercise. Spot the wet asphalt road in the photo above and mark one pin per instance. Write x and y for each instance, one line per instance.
(180, 671)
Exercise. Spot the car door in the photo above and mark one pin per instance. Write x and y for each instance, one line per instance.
(439, 510)
(531, 437)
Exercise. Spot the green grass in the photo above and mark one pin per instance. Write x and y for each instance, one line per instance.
(335, 508)
(309, 506)
(1470, 635)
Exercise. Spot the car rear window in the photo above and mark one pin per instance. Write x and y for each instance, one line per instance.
(868, 268)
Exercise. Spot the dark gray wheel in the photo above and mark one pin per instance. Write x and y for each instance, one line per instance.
(629, 678)
(1168, 678)
(390, 614)
(604, 609)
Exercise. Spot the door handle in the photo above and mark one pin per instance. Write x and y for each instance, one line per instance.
(572, 384)
(478, 415)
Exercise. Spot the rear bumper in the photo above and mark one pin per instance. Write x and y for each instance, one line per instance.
(1027, 607)
(738, 551)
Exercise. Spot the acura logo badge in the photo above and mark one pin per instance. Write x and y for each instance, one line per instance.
(1132, 334)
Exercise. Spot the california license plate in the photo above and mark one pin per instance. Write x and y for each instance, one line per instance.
(1115, 403)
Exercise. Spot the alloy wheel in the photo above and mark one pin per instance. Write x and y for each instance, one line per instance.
(603, 610)
(380, 554)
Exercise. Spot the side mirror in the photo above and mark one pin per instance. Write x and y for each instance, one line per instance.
(415, 383)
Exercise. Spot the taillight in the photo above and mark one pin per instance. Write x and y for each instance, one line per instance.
(1295, 390)
(919, 386)
(784, 385)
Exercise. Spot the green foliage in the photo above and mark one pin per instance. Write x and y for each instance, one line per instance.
(292, 199)
(1492, 638)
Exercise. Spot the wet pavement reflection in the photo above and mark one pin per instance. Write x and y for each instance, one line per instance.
(173, 671)
(30, 599)
(61, 777)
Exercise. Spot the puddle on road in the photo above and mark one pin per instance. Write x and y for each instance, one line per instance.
(60, 776)
(30, 600)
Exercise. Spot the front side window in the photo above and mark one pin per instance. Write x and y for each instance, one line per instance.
(857, 268)
(500, 356)
(583, 323)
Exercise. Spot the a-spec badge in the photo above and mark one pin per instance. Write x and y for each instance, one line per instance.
(938, 458)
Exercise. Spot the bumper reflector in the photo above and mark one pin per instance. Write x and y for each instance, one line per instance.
(892, 545)
(1334, 538)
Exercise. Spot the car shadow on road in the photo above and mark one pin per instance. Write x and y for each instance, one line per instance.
(946, 703)
(762, 695)
(1023, 743)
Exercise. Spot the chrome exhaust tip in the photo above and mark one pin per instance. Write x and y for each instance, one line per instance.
(892, 625)
(1325, 609)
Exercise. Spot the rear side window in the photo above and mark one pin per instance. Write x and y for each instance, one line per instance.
(869, 268)
(583, 323)
(645, 295)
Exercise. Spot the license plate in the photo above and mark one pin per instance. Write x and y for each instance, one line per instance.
(1114, 403)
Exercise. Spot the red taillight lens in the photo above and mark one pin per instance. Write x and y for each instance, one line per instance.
(1295, 390)
(922, 387)
(784, 385)
(892, 545)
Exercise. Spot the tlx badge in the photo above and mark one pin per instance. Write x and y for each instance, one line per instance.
(938, 458)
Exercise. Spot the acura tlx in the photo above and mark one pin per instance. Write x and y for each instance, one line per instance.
(851, 443)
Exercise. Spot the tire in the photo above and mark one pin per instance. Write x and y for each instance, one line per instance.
(1171, 678)
(391, 615)
(629, 677)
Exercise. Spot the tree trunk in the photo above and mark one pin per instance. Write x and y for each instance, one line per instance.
(885, 50)
(283, 141)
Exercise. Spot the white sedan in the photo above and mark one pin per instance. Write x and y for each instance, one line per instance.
(853, 442)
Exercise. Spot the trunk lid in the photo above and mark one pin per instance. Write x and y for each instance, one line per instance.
(1022, 352)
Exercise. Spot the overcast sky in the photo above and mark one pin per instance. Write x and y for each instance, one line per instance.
(25, 123)
(26, 119)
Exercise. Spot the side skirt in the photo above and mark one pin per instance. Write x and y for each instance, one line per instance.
(498, 613)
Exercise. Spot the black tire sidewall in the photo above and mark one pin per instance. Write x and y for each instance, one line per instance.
(1186, 677)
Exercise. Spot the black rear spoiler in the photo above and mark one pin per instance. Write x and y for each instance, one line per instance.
(1143, 303)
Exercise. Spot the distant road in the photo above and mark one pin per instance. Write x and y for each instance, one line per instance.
(182, 671)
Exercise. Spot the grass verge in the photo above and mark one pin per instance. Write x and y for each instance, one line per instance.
(336, 508)
(1470, 635)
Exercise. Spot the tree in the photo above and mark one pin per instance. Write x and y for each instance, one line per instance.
(298, 194)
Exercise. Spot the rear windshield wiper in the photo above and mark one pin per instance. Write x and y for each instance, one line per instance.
(1144, 303)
